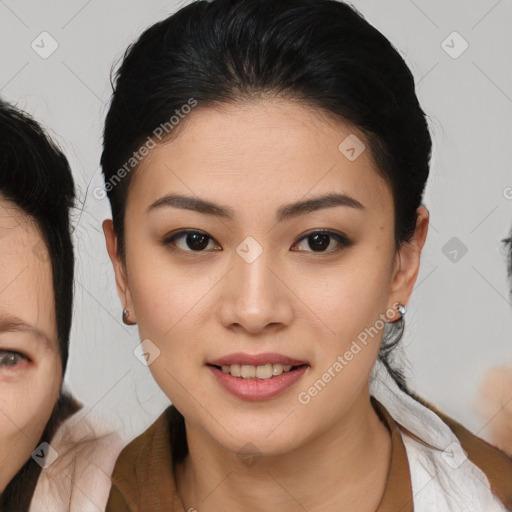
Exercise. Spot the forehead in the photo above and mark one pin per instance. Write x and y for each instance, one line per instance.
(262, 151)
(26, 285)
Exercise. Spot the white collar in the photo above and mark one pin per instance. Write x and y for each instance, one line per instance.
(445, 480)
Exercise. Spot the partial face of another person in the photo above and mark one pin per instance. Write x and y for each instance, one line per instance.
(256, 276)
(30, 364)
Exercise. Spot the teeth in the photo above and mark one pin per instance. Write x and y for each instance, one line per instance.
(277, 369)
(263, 372)
(248, 372)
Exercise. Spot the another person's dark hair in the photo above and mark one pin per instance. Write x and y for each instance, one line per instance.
(508, 246)
(322, 53)
(35, 175)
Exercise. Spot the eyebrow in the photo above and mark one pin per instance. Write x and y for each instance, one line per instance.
(283, 213)
(12, 323)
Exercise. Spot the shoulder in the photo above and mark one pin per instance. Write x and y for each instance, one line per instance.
(81, 457)
(448, 464)
(145, 460)
(494, 403)
(136, 452)
(486, 461)
(495, 464)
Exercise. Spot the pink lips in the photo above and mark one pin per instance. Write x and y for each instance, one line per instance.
(254, 388)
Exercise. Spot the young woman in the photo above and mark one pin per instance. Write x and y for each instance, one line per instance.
(265, 163)
(42, 441)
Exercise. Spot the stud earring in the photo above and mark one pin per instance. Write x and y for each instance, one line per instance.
(126, 315)
(401, 310)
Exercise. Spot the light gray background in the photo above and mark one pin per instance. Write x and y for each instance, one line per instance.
(459, 321)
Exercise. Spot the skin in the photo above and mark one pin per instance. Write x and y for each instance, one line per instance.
(291, 300)
(495, 404)
(30, 365)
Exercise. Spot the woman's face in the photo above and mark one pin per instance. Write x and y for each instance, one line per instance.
(257, 279)
(30, 365)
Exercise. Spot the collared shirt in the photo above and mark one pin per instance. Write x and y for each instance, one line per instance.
(143, 480)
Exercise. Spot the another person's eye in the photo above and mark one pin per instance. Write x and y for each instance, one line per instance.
(10, 358)
(188, 240)
(322, 241)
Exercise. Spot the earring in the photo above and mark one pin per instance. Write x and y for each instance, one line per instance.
(401, 309)
(126, 315)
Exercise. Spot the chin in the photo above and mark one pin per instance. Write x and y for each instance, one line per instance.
(254, 442)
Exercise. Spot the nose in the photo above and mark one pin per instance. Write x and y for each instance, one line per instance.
(256, 297)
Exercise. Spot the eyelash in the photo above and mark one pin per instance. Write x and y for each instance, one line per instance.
(4, 354)
(341, 238)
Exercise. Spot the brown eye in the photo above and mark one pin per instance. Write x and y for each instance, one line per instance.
(189, 240)
(322, 241)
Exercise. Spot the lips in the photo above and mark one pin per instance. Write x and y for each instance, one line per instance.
(241, 358)
(254, 388)
(257, 376)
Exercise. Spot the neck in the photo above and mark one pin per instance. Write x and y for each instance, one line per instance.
(344, 468)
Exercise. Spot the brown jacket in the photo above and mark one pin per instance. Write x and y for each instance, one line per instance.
(143, 479)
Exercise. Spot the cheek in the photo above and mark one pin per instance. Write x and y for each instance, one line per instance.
(351, 301)
(27, 402)
(168, 298)
(351, 296)
(171, 304)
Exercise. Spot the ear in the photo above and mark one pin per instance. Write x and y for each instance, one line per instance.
(123, 289)
(407, 262)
